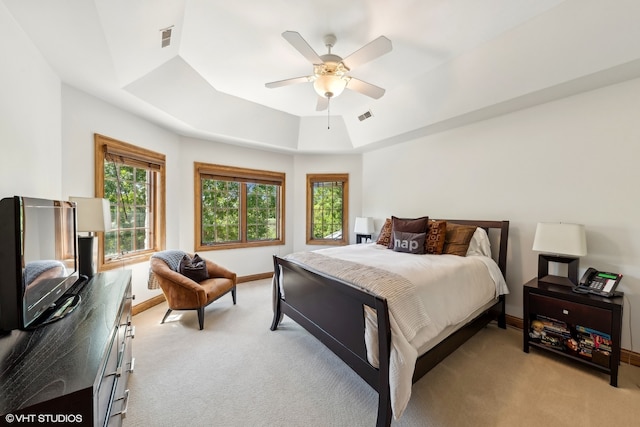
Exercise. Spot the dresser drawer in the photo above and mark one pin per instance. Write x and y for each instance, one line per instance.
(107, 383)
(570, 312)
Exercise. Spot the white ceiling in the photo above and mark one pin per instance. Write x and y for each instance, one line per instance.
(452, 61)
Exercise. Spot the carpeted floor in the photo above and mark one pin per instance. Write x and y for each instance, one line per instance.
(236, 372)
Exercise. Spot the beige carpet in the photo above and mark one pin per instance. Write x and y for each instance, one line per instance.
(236, 372)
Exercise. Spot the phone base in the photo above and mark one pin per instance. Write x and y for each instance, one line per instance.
(585, 290)
(579, 290)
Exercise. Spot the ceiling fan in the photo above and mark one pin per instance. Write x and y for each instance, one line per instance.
(330, 72)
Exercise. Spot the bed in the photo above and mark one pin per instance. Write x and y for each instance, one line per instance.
(321, 292)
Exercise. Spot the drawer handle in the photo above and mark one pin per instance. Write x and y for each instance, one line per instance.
(123, 412)
(117, 373)
(565, 311)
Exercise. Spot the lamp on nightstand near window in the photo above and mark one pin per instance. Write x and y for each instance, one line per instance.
(561, 243)
(363, 228)
(93, 214)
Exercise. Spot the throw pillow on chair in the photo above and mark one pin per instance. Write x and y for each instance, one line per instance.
(194, 268)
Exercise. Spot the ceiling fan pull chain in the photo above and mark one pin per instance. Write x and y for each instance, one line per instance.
(329, 113)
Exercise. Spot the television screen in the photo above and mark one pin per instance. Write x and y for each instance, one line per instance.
(48, 253)
(38, 255)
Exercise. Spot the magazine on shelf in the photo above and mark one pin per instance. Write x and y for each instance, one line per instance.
(590, 331)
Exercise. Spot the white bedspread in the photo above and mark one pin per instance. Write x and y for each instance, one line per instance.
(450, 287)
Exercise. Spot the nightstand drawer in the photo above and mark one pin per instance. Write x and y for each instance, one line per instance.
(570, 312)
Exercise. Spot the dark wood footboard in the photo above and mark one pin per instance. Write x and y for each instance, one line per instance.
(332, 310)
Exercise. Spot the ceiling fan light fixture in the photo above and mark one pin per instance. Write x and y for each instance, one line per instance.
(329, 86)
(330, 72)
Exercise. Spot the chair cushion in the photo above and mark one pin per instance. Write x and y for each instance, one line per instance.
(194, 268)
(215, 287)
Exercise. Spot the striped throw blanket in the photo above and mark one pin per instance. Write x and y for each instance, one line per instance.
(405, 307)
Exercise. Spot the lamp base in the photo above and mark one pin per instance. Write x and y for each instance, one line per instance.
(572, 270)
(86, 263)
(360, 237)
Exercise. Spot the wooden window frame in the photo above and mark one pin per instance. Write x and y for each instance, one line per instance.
(140, 157)
(239, 174)
(328, 177)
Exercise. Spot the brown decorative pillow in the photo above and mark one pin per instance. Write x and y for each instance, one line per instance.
(436, 234)
(194, 268)
(409, 225)
(411, 243)
(458, 238)
(385, 233)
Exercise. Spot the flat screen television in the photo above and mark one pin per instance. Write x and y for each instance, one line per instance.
(38, 259)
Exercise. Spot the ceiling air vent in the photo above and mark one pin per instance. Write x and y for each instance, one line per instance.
(166, 36)
(365, 115)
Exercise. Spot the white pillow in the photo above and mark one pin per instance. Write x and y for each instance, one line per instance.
(479, 244)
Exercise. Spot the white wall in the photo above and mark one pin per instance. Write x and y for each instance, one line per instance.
(572, 160)
(30, 135)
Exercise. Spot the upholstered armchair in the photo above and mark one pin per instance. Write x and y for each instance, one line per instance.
(181, 292)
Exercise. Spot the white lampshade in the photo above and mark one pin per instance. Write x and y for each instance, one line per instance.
(364, 225)
(560, 239)
(329, 86)
(93, 214)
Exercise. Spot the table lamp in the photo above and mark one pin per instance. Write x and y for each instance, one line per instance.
(561, 243)
(93, 215)
(363, 228)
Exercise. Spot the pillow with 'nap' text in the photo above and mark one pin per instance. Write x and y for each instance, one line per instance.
(411, 243)
(408, 225)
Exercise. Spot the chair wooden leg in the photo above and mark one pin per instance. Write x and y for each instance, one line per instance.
(233, 295)
(166, 315)
(201, 317)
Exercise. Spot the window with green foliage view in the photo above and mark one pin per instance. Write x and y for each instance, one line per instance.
(132, 179)
(128, 190)
(237, 207)
(327, 208)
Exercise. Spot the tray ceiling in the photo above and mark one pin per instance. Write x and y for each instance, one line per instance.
(452, 62)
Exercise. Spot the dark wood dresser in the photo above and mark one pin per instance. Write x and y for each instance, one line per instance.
(72, 372)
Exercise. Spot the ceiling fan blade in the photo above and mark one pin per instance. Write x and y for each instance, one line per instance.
(365, 88)
(368, 52)
(323, 103)
(302, 46)
(288, 82)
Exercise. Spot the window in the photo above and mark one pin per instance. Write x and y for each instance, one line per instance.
(327, 209)
(133, 180)
(237, 207)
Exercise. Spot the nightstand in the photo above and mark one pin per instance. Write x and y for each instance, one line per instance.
(583, 327)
